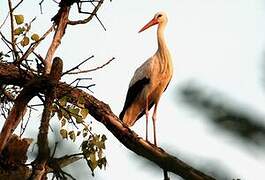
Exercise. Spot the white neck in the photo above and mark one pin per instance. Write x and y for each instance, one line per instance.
(162, 51)
(160, 37)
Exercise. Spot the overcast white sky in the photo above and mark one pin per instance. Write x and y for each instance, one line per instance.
(219, 43)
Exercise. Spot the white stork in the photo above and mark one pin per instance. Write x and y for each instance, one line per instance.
(150, 80)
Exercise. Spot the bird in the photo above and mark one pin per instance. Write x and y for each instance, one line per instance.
(150, 80)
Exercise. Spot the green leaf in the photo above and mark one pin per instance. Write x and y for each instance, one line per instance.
(100, 144)
(35, 37)
(102, 162)
(84, 145)
(85, 134)
(25, 41)
(79, 119)
(84, 113)
(19, 19)
(59, 114)
(65, 114)
(72, 135)
(63, 133)
(81, 102)
(93, 161)
(100, 153)
(63, 122)
(74, 111)
(103, 137)
(63, 101)
(18, 31)
(78, 133)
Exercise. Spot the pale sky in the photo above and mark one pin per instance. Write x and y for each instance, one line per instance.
(218, 43)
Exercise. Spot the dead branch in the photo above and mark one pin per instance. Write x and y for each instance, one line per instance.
(9, 74)
(15, 53)
(86, 20)
(77, 66)
(4, 21)
(40, 4)
(94, 69)
(17, 5)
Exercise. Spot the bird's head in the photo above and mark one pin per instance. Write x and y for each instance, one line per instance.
(159, 18)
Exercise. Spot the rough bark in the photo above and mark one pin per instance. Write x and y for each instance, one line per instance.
(40, 165)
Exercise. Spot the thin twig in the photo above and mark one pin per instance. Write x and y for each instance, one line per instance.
(78, 80)
(15, 54)
(101, 23)
(4, 21)
(40, 4)
(77, 66)
(94, 69)
(23, 128)
(86, 20)
(17, 5)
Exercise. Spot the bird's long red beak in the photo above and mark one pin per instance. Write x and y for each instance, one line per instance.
(149, 24)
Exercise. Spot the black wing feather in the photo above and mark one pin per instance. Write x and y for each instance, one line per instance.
(132, 93)
(150, 105)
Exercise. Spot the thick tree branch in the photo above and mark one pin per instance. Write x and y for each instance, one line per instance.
(63, 14)
(40, 165)
(102, 113)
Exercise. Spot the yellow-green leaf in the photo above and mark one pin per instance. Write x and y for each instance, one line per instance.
(79, 119)
(93, 160)
(19, 19)
(63, 133)
(25, 41)
(85, 134)
(72, 135)
(63, 122)
(63, 101)
(81, 102)
(35, 37)
(100, 153)
(18, 31)
(84, 113)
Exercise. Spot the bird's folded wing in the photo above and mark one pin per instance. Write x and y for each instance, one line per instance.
(133, 91)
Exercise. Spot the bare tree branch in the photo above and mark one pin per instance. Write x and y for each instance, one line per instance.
(86, 20)
(4, 21)
(77, 66)
(17, 5)
(94, 69)
(15, 54)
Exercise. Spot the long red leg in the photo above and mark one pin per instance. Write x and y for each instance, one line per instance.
(146, 115)
(154, 123)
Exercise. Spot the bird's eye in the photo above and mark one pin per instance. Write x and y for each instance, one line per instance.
(160, 15)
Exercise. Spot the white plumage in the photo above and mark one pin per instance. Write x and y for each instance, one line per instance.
(150, 80)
